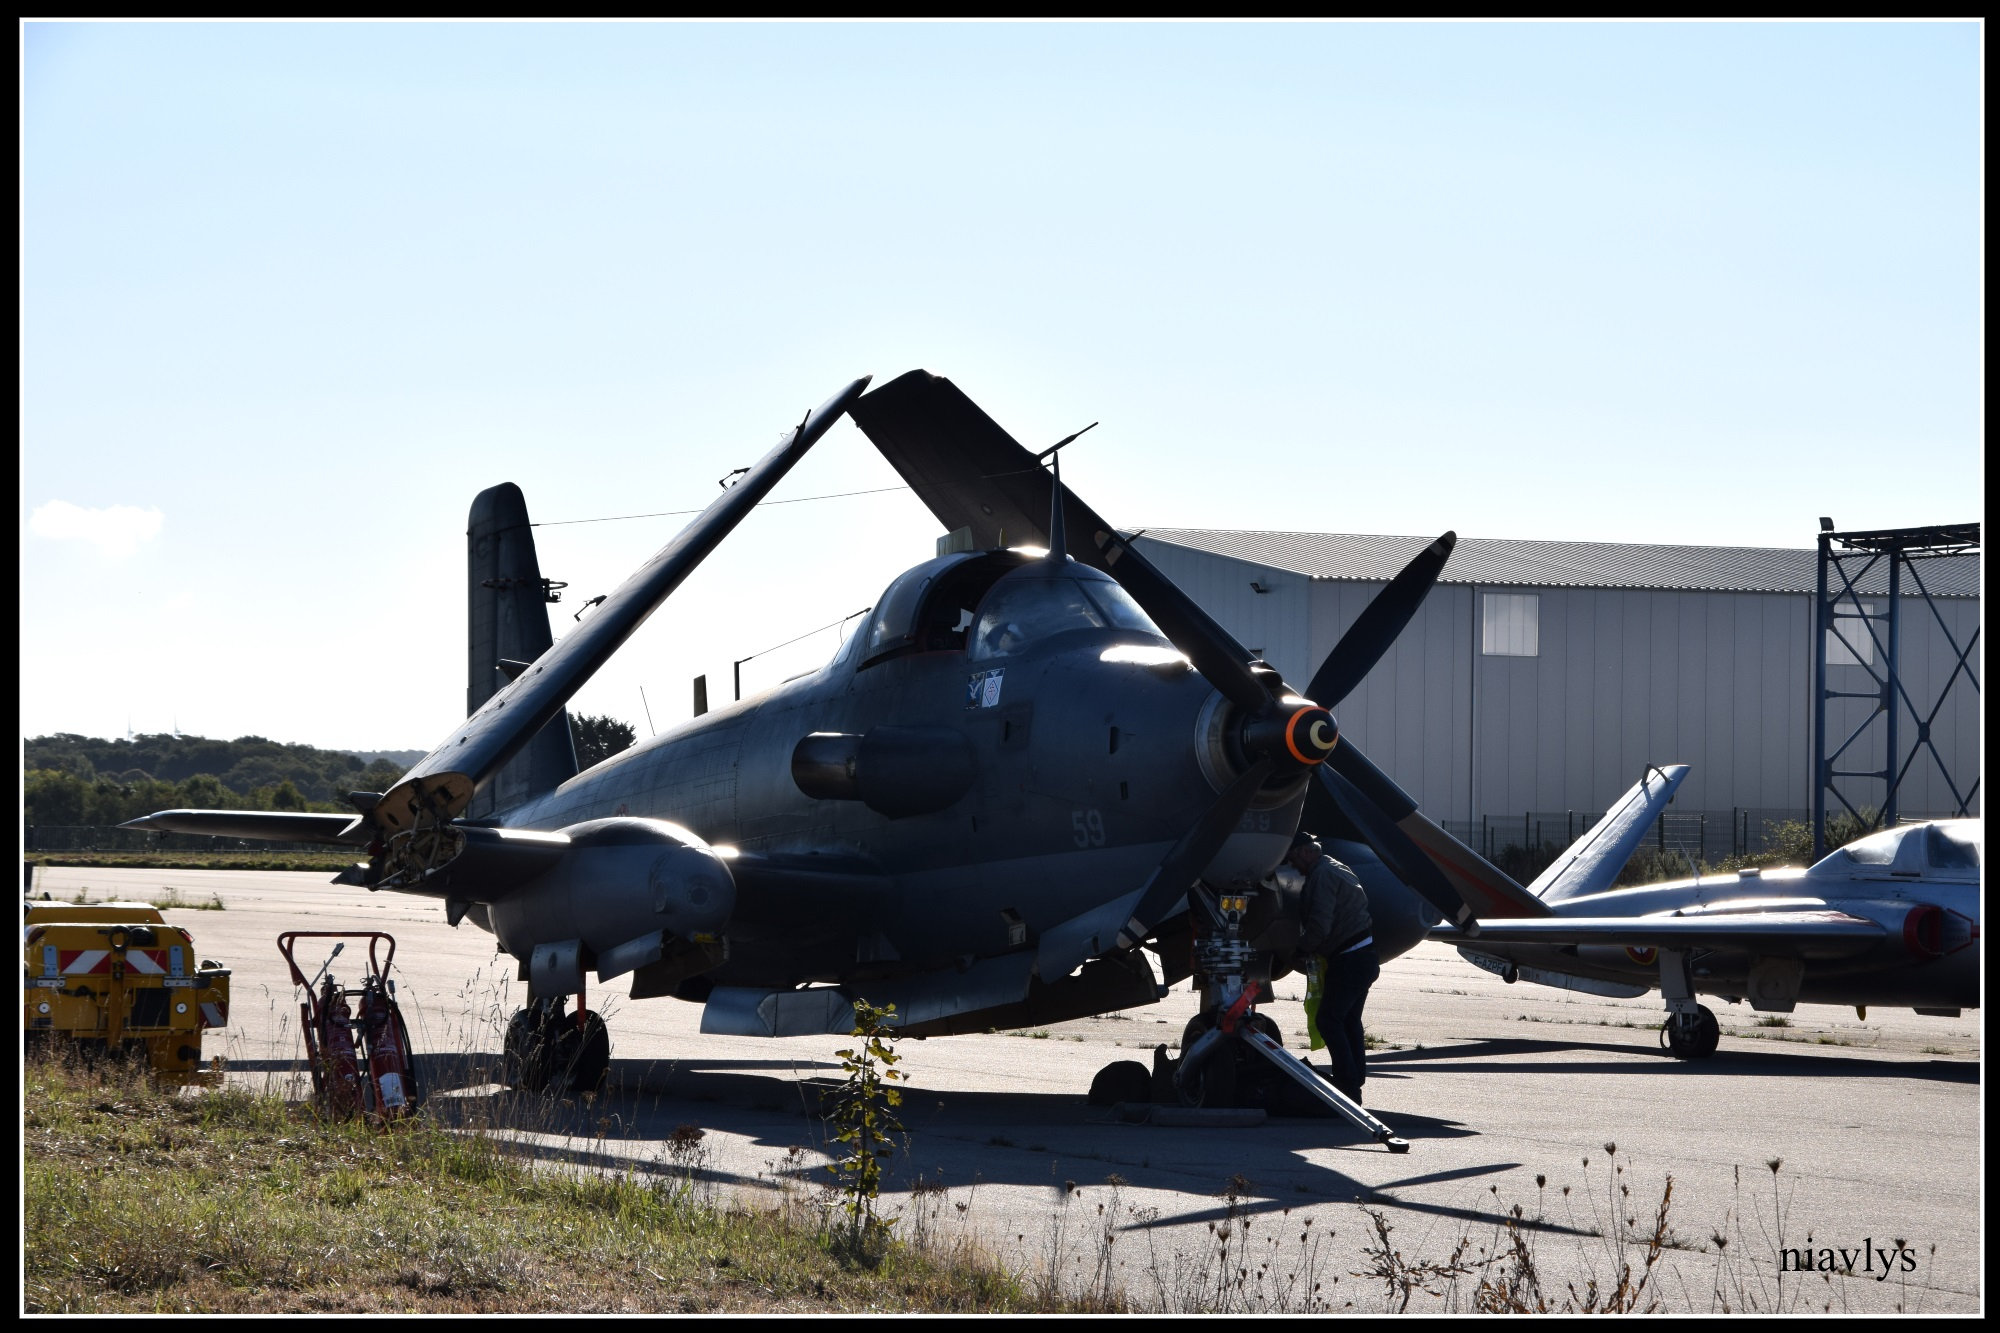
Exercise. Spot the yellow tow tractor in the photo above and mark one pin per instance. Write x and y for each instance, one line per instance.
(111, 977)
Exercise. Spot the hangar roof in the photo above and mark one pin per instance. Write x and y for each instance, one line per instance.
(1550, 564)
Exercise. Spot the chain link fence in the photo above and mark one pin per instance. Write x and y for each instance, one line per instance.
(1698, 837)
(110, 838)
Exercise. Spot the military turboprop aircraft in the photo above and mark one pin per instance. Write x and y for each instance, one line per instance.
(1889, 919)
(1024, 768)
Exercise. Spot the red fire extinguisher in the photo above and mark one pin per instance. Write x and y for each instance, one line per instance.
(342, 1083)
(386, 1060)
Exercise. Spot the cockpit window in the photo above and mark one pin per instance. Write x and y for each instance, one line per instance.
(1120, 609)
(1951, 847)
(893, 625)
(929, 608)
(1877, 849)
(1023, 611)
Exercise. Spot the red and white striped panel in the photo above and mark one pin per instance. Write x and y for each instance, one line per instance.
(81, 962)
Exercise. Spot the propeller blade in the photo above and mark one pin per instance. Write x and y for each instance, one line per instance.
(1490, 891)
(442, 783)
(1183, 864)
(1221, 660)
(1377, 627)
(1406, 860)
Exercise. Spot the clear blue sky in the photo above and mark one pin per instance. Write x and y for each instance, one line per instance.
(293, 293)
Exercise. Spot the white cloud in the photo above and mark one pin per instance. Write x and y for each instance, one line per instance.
(116, 532)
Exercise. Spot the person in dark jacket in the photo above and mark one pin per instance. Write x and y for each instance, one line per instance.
(1334, 925)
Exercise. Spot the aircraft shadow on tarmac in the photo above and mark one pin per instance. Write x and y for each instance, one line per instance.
(1510, 1055)
(970, 1138)
(1032, 1140)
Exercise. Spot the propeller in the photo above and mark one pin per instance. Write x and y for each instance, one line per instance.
(443, 782)
(973, 474)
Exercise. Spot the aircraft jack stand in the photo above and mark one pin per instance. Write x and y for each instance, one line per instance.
(1224, 958)
(1293, 1067)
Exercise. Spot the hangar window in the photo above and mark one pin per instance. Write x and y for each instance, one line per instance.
(1849, 642)
(1510, 624)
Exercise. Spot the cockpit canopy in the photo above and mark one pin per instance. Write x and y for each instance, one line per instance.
(1949, 847)
(1038, 602)
(994, 604)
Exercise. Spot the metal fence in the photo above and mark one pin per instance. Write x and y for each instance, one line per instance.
(1708, 836)
(109, 838)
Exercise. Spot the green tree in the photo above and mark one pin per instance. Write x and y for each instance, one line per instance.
(54, 797)
(865, 1120)
(598, 738)
(379, 776)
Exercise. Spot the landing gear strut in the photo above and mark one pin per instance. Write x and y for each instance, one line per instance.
(548, 1049)
(1230, 1054)
(1690, 1032)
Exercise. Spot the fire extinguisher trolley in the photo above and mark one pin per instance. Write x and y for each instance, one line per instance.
(357, 1044)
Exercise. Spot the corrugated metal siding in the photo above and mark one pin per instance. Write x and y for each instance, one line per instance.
(1501, 562)
(1625, 677)
(1410, 715)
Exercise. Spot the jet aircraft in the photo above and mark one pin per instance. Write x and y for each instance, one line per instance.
(1889, 919)
(1005, 801)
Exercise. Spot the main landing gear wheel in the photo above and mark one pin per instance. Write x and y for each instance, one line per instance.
(1694, 1040)
(546, 1051)
(1214, 1084)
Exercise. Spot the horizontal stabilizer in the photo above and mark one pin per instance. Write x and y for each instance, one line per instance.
(1794, 934)
(263, 825)
(1592, 862)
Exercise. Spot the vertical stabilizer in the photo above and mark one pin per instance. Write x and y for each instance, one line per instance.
(507, 622)
(1592, 863)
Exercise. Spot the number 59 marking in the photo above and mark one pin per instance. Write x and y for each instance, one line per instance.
(1088, 827)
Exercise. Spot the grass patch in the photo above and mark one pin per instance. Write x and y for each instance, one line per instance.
(254, 1205)
(171, 899)
(330, 861)
(1774, 1021)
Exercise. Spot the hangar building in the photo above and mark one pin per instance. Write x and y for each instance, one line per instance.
(1540, 677)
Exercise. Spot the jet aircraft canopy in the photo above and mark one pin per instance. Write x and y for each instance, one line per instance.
(967, 602)
(1950, 845)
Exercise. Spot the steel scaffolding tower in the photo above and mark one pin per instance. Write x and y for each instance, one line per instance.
(1850, 557)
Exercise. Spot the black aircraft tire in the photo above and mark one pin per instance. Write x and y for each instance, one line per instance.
(1707, 1034)
(1214, 1084)
(523, 1064)
(581, 1058)
(1121, 1081)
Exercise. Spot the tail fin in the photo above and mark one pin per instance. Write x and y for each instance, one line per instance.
(1593, 861)
(507, 627)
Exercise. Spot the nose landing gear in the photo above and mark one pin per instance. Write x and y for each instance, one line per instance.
(1230, 1054)
(548, 1049)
